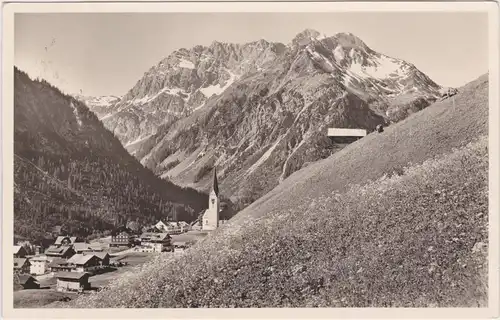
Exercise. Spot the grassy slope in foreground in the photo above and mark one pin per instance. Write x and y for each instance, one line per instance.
(413, 240)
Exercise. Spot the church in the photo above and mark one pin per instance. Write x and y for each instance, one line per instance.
(210, 219)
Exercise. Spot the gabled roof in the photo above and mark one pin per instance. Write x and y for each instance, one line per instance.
(61, 238)
(101, 255)
(16, 249)
(81, 259)
(19, 262)
(23, 278)
(155, 236)
(79, 246)
(122, 229)
(160, 236)
(39, 258)
(71, 275)
(53, 250)
(57, 262)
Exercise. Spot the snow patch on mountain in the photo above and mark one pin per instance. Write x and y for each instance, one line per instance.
(218, 89)
(338, 53)
(381, 68)
(183, 63)
(148, 98)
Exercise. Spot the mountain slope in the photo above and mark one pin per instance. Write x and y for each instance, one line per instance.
(339, 233)
(69, 170)
(101, 106)
(272, 120)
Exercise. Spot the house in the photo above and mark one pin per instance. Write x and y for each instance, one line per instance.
(80, 247)
(72, 281)
(84, 262)
(21, 265)
(155, 242)
(170, 227)
(65, 241)
(345, 135)
(59, 252)
(161, 226)
(185, 227)
(39, 265)
(96, 247)
(104, 256)
(59, 265)
(28, 282)
(121, 238)
(20, 252)
(210, 220)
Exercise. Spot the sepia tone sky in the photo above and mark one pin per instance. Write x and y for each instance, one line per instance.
(107, 53)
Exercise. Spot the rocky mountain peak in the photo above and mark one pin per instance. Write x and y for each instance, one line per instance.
(349, 40)
(307, 36)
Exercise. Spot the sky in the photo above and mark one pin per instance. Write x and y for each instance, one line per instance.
(107, 53)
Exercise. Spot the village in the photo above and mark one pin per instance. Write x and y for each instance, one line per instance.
(73, 266)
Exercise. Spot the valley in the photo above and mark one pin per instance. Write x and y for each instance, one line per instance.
(215, 177)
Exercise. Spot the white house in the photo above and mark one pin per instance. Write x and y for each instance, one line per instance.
(39, 265)
(154, 242)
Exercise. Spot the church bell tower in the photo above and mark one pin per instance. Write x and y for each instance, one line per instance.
(211, 216)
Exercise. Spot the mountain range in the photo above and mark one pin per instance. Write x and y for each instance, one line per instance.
(259, 111)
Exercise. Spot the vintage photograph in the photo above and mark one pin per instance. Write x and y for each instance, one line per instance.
(250, 159)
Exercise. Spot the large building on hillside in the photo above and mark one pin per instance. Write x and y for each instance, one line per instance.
(210, 220)
(345, 135)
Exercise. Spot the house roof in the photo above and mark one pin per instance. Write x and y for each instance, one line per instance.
(159, 236)
(19, 262)
(61, 238)
(39, 258)
(79, 246)
(57, 250)
(71, 275)
(23, 278)
(81, 259)
(16, 249)
(101, 255)
(95, 246)
(58, 262)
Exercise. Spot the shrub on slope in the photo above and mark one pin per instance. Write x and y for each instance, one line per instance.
(414, 240)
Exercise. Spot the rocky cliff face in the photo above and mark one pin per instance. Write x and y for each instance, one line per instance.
(260, 111)
(101, 106)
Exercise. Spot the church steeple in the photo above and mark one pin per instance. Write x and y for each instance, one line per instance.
(215, 186)
(211, 216)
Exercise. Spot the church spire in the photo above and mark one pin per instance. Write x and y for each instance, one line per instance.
(215, 186)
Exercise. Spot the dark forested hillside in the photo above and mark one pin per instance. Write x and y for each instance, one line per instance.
(69, 170)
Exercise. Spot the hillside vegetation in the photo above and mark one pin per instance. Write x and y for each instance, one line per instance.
(397, 219)
(69, 170)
